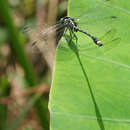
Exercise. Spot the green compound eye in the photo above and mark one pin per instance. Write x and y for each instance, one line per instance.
(62, 19)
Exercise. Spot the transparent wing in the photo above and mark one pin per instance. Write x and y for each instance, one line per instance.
(42, 40)
(39, 33)
(40, 36)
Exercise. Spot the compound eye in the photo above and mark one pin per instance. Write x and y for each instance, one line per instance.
(72, 19)
(76, 24)
(62, 20)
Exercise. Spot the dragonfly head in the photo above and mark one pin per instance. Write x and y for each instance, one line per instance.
(68, 21)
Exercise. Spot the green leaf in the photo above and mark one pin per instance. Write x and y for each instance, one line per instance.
(90, 88)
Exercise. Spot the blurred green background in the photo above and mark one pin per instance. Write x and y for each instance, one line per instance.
(25, 76)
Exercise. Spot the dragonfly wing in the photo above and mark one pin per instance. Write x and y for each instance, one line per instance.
(109, 40)
(108, 36)
(112, 44)
(96, 50)
(40, 34)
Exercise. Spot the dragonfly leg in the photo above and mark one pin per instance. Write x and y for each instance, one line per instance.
(76, 38)
(65, 31)
(64, 34)
(71, 35)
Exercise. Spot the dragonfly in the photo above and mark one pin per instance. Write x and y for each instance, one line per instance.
(66, 23)
(42, 33)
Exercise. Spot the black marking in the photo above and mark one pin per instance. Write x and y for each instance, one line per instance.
(113, 17)
(71, 24)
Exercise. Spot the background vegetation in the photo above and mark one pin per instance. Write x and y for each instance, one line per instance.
(25, 77)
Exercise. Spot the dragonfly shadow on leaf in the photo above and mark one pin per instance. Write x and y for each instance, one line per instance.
(110, 41)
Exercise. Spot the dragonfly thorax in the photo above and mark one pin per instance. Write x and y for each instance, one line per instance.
(69, 22)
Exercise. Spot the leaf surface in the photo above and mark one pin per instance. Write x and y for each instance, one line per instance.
(91, 86)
